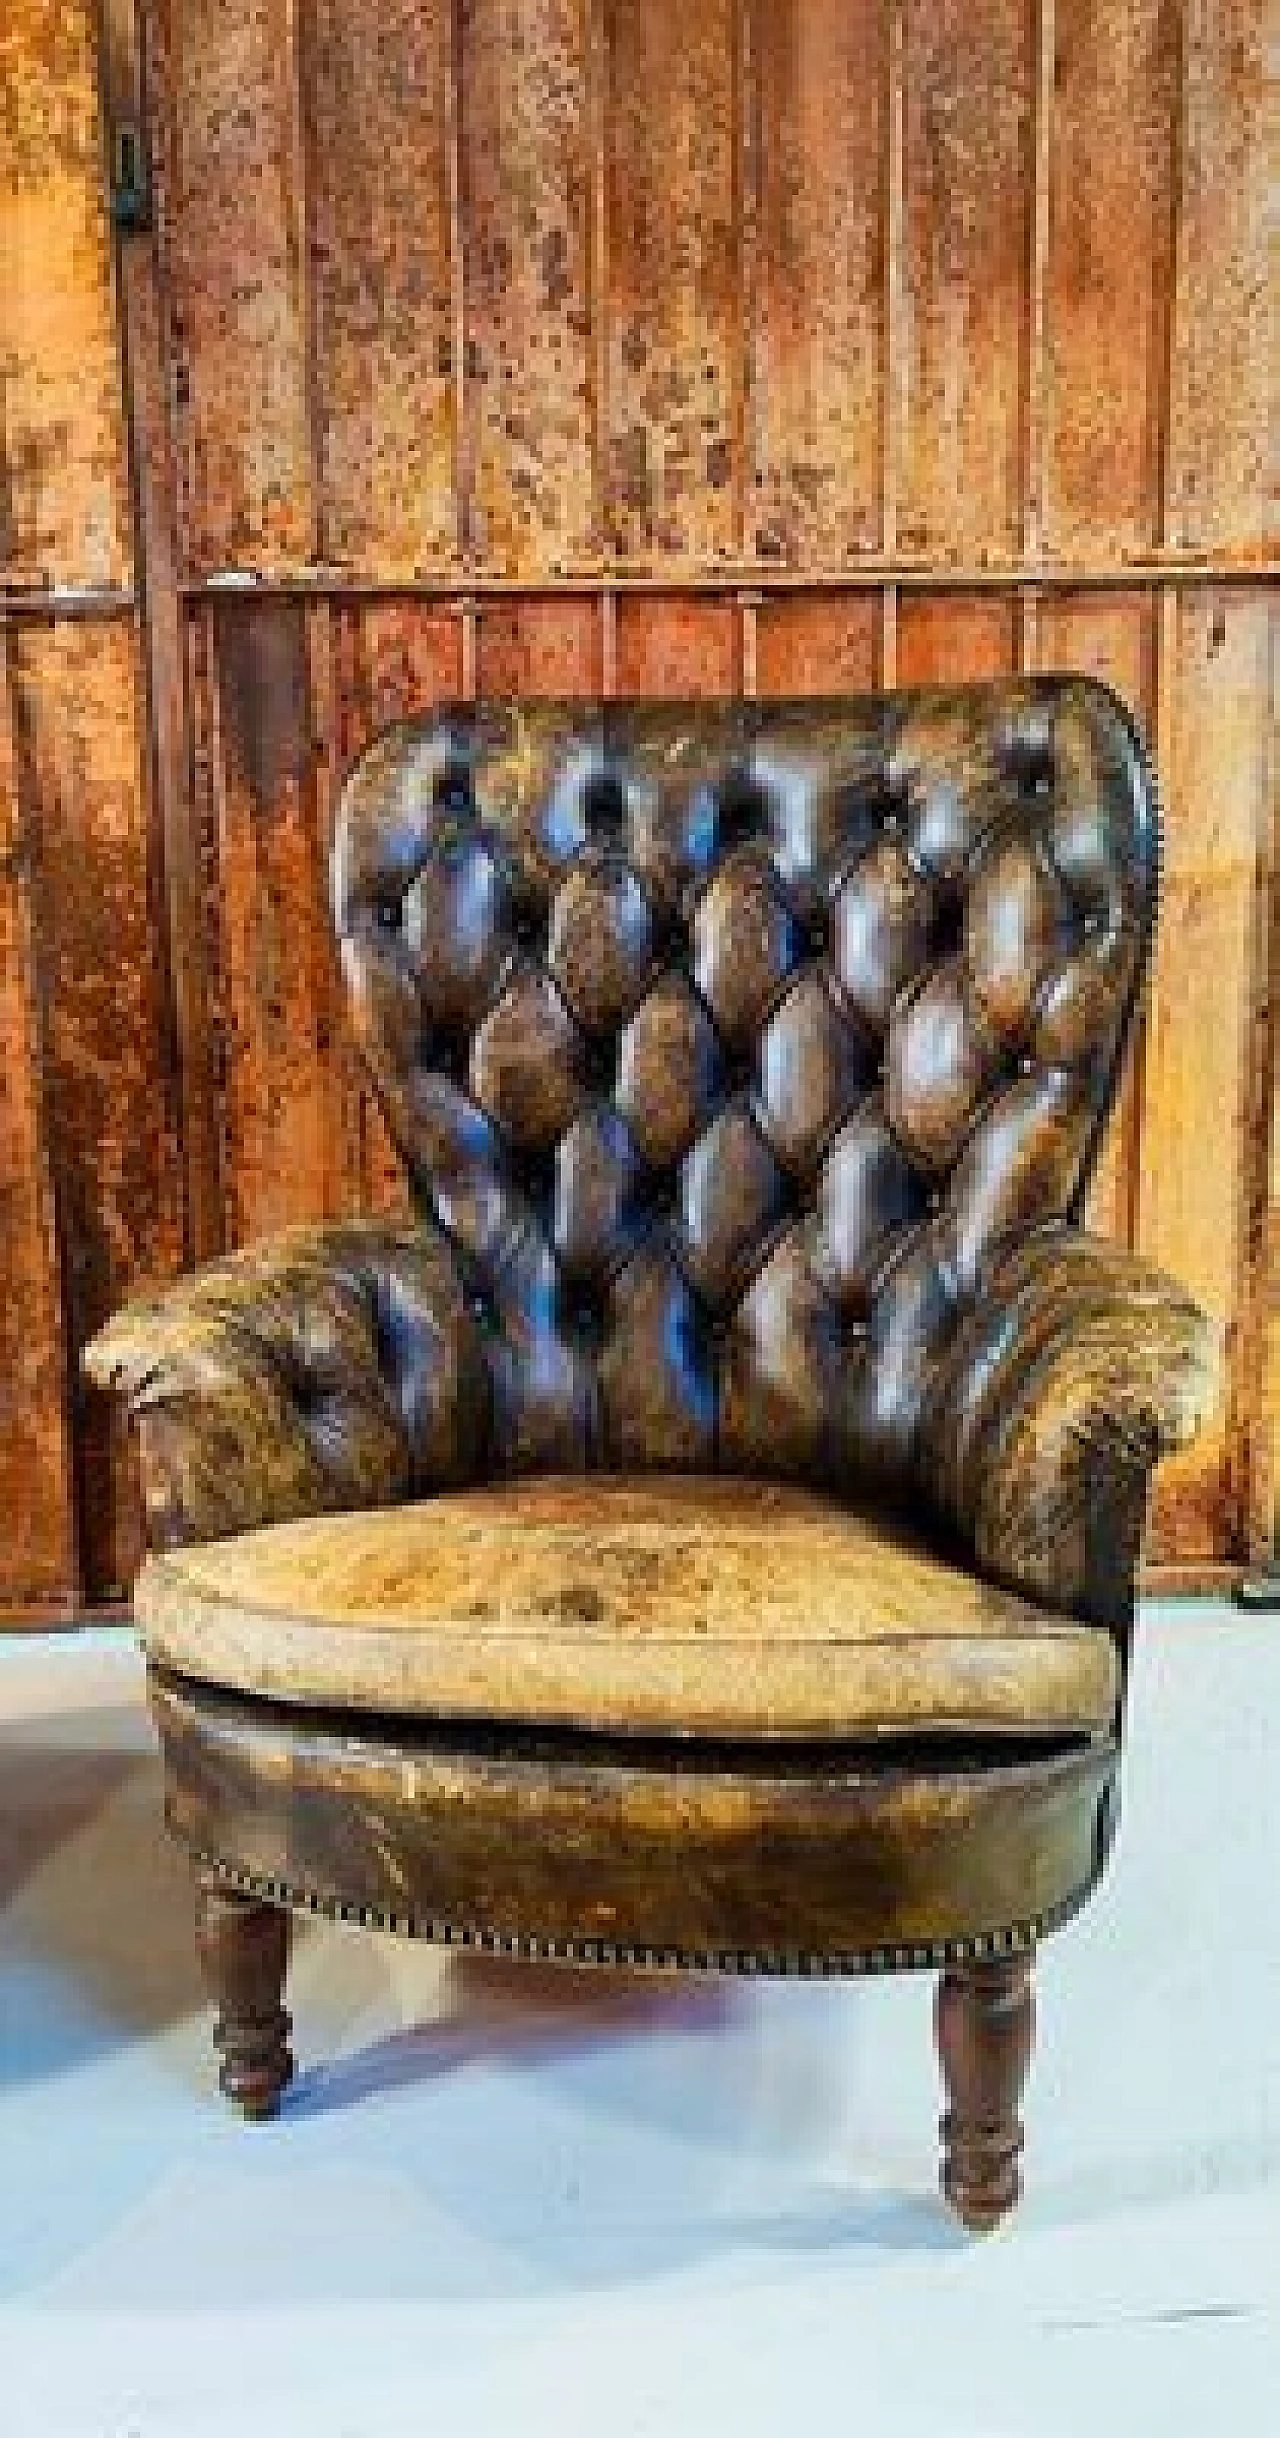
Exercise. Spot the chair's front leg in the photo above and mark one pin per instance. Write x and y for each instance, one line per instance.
(244, 1954)
(985, 2021)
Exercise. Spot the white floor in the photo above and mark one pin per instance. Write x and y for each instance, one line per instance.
(506, 2200)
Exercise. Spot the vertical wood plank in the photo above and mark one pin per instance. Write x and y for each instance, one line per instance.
(112, 1097)
(817, 347)
(676, 645)
(1034, 367)
(1221, 489)
(64, 505)
(1266, 1512)
(539, 646)
(968, 77)
(1111, 636)
(235, 279)
(818, 643)
(527, 216)
(1110, 275)
(37, 1549)
(1196, 1154)
(1253, 1410)
(675, 358)
(283, 1158)
(146, 376)
(955, 638)
(375, 94)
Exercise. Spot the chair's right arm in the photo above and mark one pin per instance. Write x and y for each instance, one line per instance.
(1078, 1367)
(332, 1368)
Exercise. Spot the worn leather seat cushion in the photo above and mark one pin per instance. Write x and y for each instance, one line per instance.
(662, 1606)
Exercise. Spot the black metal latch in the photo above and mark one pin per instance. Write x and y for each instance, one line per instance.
(130, 185)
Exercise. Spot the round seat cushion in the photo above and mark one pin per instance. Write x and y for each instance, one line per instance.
(661, 1606)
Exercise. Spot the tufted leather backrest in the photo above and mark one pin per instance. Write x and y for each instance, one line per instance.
(728, 1043)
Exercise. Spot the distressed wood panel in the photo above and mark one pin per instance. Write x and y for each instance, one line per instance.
(815, 416)
(282, 1113)
(1269, 1505)
(144, 341)
(527, 212)
(675, 317)
(1113, 637)
(818, 643)
(64, 502)
(408, 656)
(1109, 274)
(112, 1094)
(1222, 492)
(234, 259)
(377, 118)
(673, 644)
(1195, 1151)
(955, 638)
(37, 1548)
(546, 646)
(968, 78)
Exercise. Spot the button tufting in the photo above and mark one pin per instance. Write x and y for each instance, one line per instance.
(736, 1026)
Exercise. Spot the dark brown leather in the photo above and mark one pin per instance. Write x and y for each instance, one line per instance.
(730, 1048)
(728, 1043)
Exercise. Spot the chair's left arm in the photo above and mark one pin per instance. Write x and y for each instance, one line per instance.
(332, 1367)
(1078, 1369)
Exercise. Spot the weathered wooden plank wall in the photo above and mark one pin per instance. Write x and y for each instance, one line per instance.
(85, 929)
(559, 346)
(35, 1448)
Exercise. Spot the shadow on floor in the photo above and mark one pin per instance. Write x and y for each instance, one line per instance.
(96, 1927)
(522, 2012)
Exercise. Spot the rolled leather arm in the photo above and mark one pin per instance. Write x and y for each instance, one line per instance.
(1079, 1367)
(333, 1367)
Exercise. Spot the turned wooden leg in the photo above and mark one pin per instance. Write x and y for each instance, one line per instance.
(985, 2020)
(244, 1951)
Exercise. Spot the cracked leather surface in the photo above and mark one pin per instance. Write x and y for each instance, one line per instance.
(748, 1061)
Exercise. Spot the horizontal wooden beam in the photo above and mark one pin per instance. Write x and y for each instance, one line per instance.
(23, 601)
(730, 577)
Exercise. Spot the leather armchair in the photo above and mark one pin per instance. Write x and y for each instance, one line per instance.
(749, 1063)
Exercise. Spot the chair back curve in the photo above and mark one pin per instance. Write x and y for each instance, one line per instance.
(729, 1043)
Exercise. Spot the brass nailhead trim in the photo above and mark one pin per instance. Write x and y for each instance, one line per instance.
(1017, 1938)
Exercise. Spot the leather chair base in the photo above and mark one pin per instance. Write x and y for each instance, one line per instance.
(810, 1858)
(650, 1853)
(666, 1854)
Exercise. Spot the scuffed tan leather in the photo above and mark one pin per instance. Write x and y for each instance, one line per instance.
(1080, 1365)
(336, 1367)
(730, 1048)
